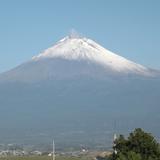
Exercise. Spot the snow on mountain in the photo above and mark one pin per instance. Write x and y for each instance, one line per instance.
(75, 57)
(76, 48)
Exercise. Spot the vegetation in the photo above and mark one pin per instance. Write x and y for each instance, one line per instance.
(138, 146)
(43, 158)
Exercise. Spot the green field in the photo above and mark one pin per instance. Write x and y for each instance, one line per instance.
(44, 158)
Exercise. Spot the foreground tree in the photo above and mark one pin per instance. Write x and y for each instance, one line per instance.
(129, 156)
(138, 146)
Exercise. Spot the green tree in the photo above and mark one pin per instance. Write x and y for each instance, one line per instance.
(138, 146)
(129, 156)
(144, 144)
(133, 156)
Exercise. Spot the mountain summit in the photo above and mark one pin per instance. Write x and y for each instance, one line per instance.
(83, 49)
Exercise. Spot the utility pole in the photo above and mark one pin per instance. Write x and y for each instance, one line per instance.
(54, 156)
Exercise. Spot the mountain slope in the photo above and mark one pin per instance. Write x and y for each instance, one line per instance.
(74, 56)
(75, 91)
(85, 49)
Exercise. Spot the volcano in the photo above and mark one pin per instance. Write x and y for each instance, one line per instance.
(75, 91)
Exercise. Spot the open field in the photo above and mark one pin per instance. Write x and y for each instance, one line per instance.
(44, 158)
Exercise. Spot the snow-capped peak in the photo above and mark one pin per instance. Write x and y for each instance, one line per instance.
(80, 48)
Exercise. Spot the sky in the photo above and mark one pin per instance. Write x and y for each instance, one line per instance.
(130, 28)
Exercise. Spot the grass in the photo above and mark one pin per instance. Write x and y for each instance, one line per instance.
(44, 158)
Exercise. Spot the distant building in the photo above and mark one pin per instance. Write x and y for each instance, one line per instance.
(38, 153)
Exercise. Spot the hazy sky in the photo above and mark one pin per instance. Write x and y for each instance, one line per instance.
(130, 28)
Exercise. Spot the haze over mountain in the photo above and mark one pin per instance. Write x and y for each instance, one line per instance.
(75, 91)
